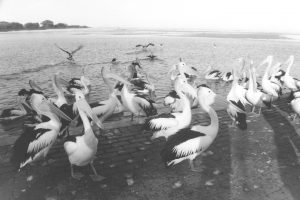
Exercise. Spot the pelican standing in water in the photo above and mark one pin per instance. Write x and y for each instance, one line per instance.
(188, 143)
(70, 53)
(81, 150)
(37, 139)
(167, 124)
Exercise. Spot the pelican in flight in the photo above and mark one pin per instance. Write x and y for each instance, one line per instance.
(70, 53)
(188, 143)
(167, 124)
(37, 139)
(145, 46)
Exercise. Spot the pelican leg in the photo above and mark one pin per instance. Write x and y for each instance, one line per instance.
(77, 175)
(192, 166)
(259, 111)
(95, 177)
(253, 109)
(132, 117)
(295, 116)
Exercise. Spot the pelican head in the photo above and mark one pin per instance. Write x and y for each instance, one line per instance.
(43, 106)
(181, 84)
(206, 97)
(82, 105)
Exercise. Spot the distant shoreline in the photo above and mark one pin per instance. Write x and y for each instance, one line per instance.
(41, 29)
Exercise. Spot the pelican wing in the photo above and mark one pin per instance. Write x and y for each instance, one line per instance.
(160, 122)
(145, 104)
(30, 143)
(78, 48)
(182, 144)
(62, 49)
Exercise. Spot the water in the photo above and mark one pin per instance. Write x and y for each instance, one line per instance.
(32, 55)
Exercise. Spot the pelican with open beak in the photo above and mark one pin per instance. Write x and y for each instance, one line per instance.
(36, 140)
(81, 150)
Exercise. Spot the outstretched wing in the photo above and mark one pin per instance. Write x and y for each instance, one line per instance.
(62, 49)
(78, 48)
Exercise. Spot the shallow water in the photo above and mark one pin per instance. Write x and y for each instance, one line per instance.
(32, 55)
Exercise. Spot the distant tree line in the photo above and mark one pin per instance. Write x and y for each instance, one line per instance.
(47, 24)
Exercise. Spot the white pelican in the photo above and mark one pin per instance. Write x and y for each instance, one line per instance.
(237, 102)
(190, 142)
(268, 86)
(182, 68)
(212, 74)
(173, 101)
(37, 139)
(135, 103)
(81, 150)
(254, 96)
(70, 54)
(227, 77)
(23, 107)
(105, 109)
(166, 124)
(295, 103)
(288, 80)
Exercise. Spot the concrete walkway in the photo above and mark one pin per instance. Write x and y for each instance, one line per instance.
(260, 163)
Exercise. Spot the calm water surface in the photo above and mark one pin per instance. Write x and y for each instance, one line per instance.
(32, 55)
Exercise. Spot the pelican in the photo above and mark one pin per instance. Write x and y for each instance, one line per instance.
(36, 140)
(145, 46)
(105, 109)
(182, 68)
(227, 77)
(166, 124)
(295, 103)
(70, 54)
(81, 150)
(268, 86)
(212, 74)
(288, 80)
(135, 103)
(254, 96)
(23, 107)
(188, 143)
(173, 101)
(237, 102)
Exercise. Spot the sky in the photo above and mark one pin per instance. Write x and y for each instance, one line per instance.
(224, 15)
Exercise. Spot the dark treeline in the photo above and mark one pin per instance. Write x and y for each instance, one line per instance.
(47, 24)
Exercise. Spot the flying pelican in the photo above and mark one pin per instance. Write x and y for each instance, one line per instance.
(237, 102)
(167, 124)
(145, 46)
(268, 86)
(188, 143)
(36, 140)
(288, 80)
(254, 96)
(295, 103)
(70, 54)
(81, 150)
